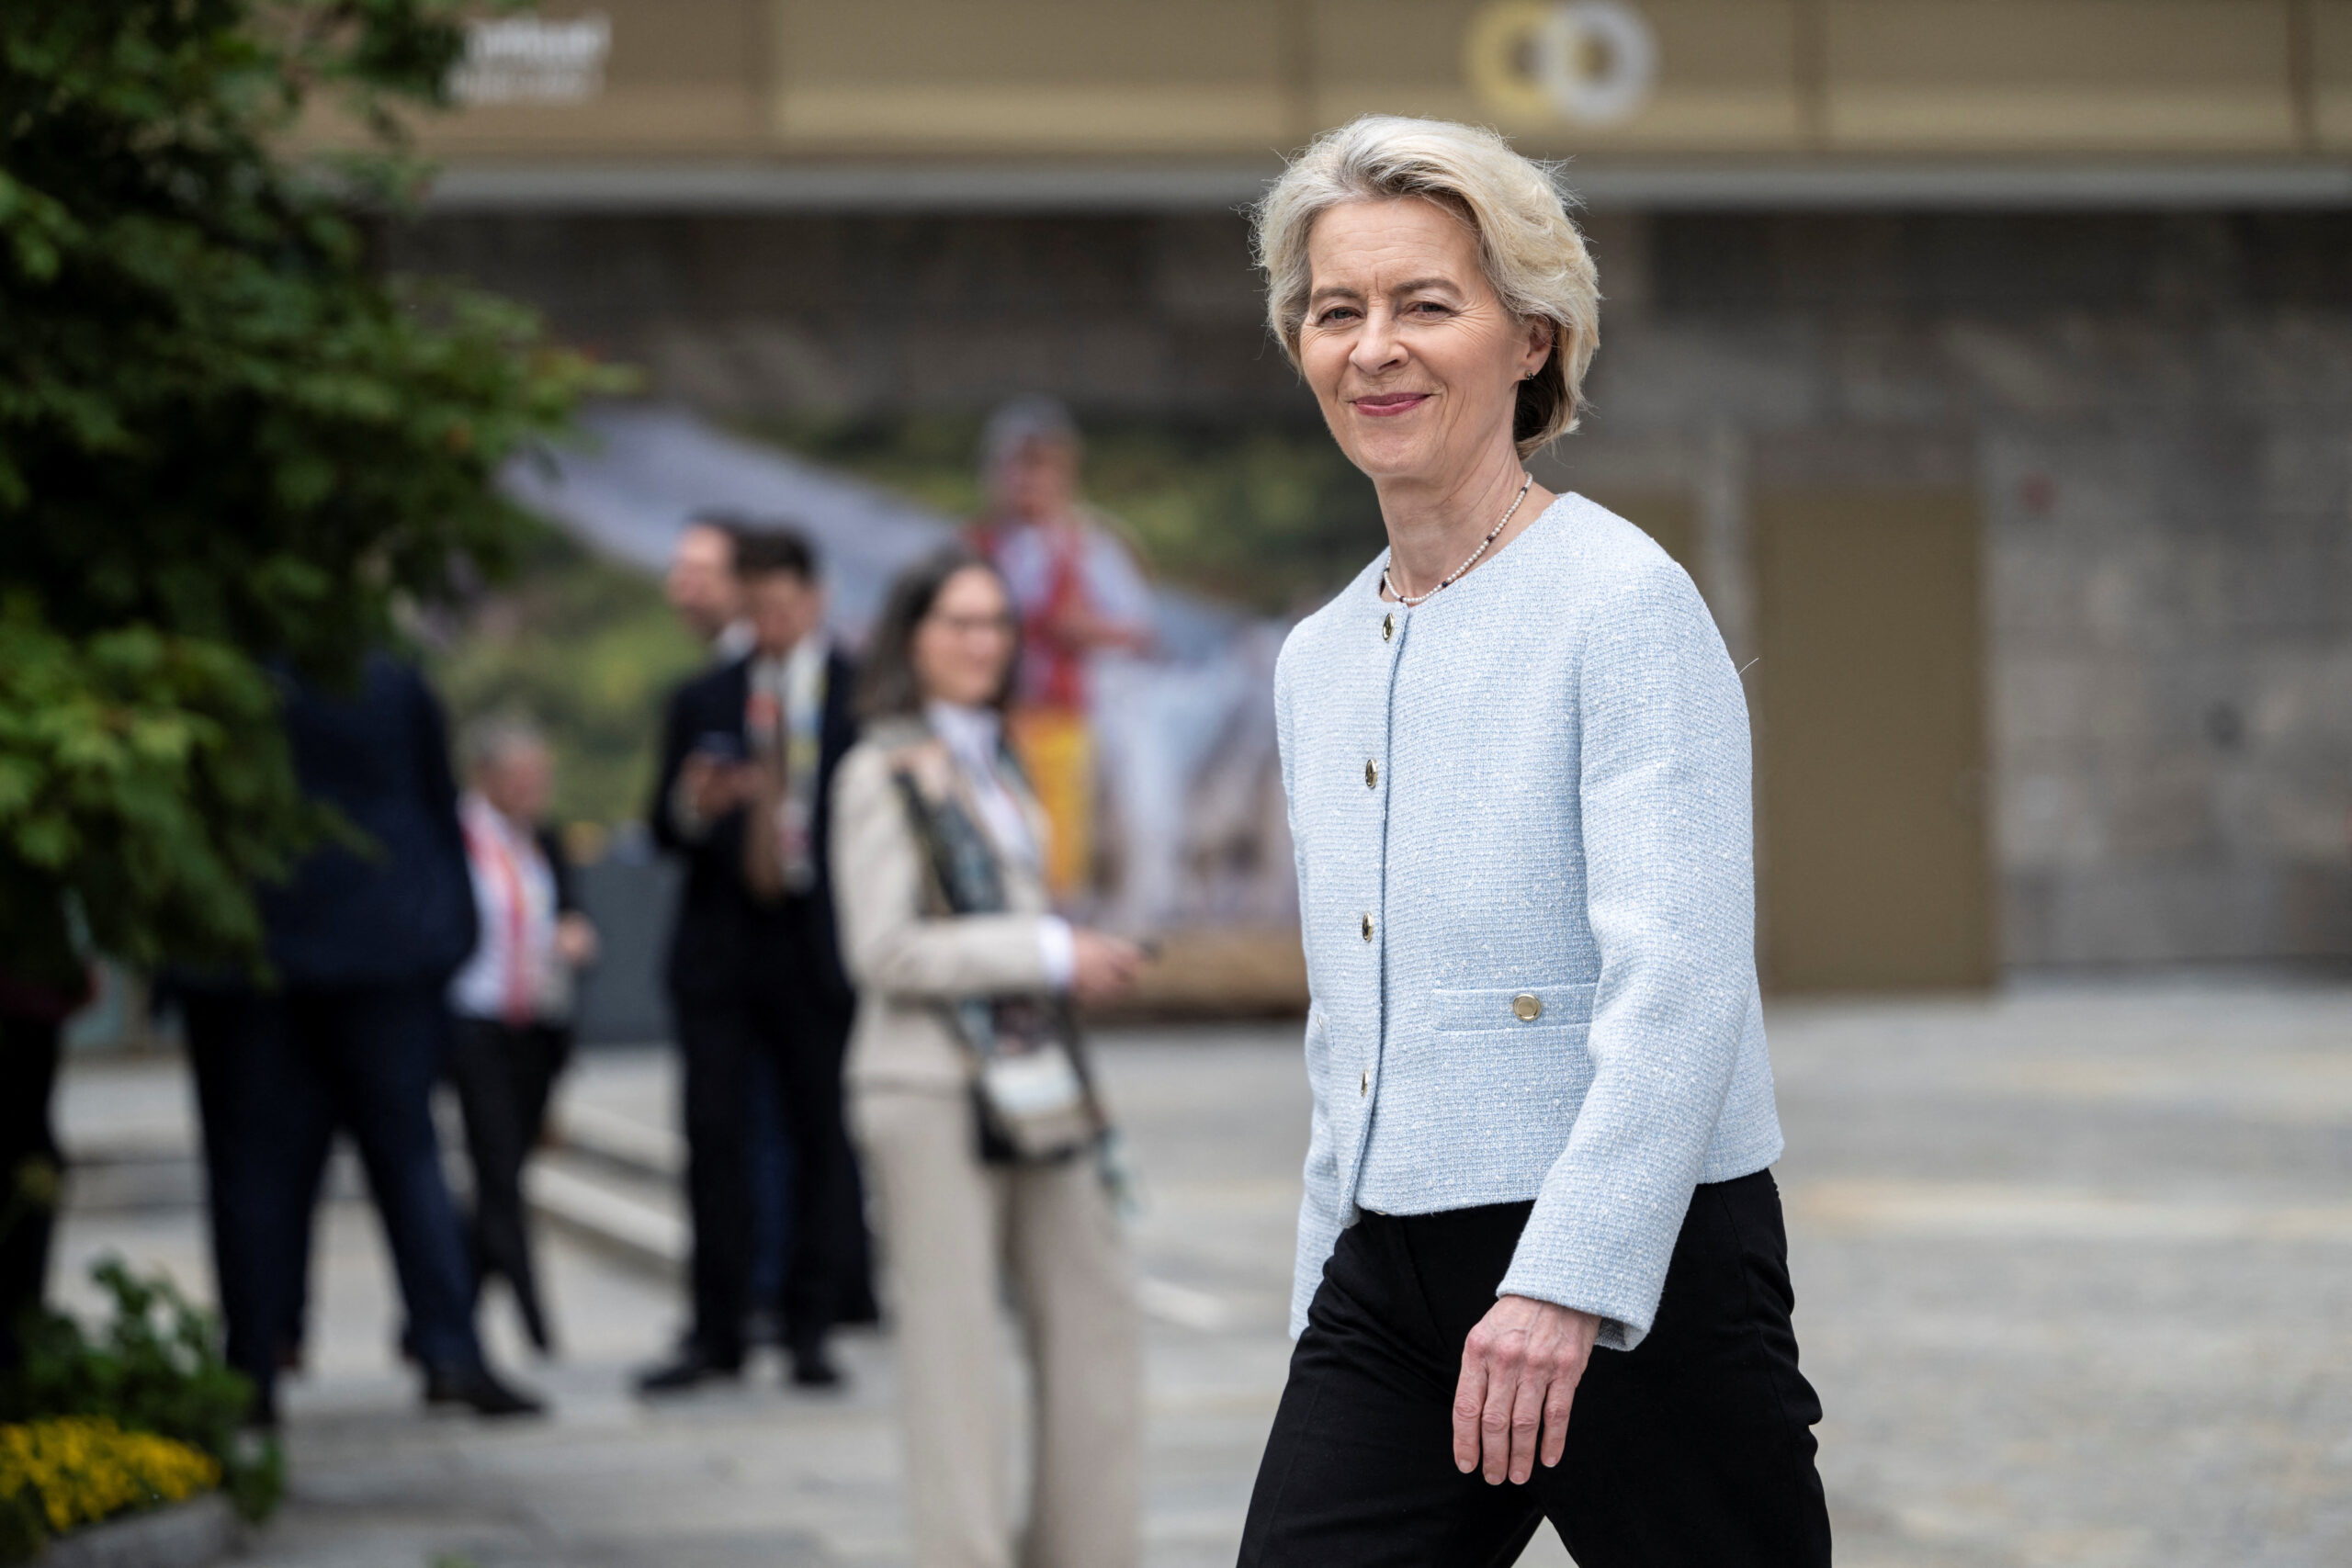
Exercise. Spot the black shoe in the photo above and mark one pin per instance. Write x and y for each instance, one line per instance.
(479, 1390)
(812, 1367)
(261, 1410)
(763, 1326)
(689, 1368)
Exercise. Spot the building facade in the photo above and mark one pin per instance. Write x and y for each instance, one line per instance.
(1989, 363)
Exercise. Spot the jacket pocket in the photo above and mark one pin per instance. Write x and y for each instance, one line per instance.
(1505, 1010)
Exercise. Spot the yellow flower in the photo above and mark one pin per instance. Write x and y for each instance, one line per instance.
(83, 1470)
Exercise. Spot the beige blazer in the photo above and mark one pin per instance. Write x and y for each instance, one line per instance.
(905, 957)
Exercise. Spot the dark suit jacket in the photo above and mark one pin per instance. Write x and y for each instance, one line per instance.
(720, 927)
(405, 912)
(565, 875)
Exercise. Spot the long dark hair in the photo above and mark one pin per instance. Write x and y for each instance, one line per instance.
(889, 687)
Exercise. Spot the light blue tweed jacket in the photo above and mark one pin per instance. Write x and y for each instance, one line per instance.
(1534, 785)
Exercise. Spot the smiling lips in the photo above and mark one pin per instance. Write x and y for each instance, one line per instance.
(1381, 405)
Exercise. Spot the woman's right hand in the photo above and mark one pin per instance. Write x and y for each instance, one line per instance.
(1105, 966)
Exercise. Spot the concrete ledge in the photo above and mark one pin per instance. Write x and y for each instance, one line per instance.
(185, 1535)
(1828, 184)
(634, 1232)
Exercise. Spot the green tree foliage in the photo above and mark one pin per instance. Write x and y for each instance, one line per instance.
(155, 1366)
(229, 447)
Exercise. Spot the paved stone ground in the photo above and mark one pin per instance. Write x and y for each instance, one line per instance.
(2074, 1269)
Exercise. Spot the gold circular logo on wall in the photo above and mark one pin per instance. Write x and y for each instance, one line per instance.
(1589, 62)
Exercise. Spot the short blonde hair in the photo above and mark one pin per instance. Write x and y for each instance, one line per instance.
(1534, 257)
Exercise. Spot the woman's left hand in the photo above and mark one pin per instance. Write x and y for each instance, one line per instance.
(1519, 1371)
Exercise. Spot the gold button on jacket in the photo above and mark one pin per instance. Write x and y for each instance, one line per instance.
(1367, 928)
(1371, 774)
(1527, 1006)
(1388, 625)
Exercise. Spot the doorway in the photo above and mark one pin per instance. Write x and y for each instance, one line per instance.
(1874, 866)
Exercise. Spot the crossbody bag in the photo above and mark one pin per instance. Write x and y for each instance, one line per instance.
(1035, 1097)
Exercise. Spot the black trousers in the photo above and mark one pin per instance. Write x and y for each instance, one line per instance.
(504, 1074)
(1694, 1449)
(276, 1076)
(800, 1019)
(29, 1170)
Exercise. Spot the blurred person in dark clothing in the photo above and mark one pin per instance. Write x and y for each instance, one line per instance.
(701, 587)
(514, 998)
(748, 755)
(32, 1023)
(348, 1036)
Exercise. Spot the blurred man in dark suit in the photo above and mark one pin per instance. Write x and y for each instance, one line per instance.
(348, 1038)
(748, 755)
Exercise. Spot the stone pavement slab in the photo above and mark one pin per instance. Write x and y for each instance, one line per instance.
(2073, 1272)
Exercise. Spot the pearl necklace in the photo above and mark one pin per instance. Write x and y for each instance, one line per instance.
(1501, 524)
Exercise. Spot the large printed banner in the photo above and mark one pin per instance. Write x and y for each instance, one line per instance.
(1191, 831)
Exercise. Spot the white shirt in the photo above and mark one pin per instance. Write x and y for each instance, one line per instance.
(974, 739)
(787, 712)
(515, 976)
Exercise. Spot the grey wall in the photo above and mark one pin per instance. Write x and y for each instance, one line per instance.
(767, 314)
(2157, 411)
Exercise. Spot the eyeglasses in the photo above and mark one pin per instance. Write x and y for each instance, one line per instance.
(972, 625)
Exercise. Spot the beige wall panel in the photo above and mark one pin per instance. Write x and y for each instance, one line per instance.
(682, 42)
(622, 120)
(1674, 122)
(1131, 117)
(1726, 74)
(2332, 71)
(1042, 75)
(2064, 75)
(684, 76)
(1069, 42)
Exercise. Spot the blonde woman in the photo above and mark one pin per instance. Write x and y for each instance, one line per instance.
(970, 1099)
(1541, 1264)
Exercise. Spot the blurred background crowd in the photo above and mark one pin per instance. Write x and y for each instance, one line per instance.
(413, 409)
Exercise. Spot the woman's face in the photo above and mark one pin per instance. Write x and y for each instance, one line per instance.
(1416, 362)
(963, 647)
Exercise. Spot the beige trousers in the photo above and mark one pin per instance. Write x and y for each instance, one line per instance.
(949, 1226)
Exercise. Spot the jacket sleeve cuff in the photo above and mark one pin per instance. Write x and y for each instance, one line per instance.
(1616, 1333)
(1593, 1263)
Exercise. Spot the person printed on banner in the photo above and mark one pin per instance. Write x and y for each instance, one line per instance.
(1080, 595)
(513, 998)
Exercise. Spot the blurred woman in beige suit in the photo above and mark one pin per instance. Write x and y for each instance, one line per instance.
(981, 1129)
